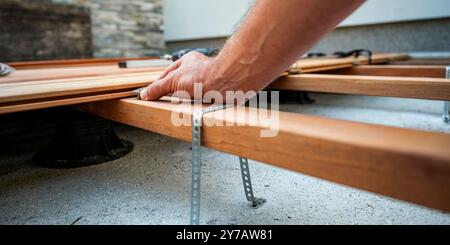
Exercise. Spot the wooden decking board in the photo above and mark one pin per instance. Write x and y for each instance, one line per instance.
(34, 104)
(10, 93)
(50, 74)
(407, 87)
(422, 61)
(67, 80)
(72, 62)
(431, 71)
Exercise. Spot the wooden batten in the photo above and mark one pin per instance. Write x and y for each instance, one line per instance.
(406, 164)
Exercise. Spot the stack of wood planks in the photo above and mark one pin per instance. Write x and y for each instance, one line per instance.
(39, 85)
(31, 89)
(407, 164)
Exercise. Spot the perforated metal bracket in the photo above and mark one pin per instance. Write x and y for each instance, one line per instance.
(5, 70)
(247, 182)
(196, 167)
(445, 114)
(197, 160)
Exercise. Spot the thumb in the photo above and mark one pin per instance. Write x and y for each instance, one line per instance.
(157, 89)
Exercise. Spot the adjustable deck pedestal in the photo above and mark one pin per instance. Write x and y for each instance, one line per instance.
(81, 139)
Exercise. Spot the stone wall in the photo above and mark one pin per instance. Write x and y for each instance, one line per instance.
(132, 28)
(32, 30)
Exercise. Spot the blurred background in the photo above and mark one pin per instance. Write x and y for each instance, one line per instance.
(63, 29)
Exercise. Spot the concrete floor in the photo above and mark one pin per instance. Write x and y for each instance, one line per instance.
(152, 184)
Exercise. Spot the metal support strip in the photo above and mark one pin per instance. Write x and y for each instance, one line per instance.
(5, 70)
(196, 167)
(247, 182)
(197, 160)
(445, 114)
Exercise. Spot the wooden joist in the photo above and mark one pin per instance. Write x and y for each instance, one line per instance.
(407, 87)
(431, 71)
(406, 164)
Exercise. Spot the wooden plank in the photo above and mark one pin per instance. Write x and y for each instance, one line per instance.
(63, 101)
(324, 68)
(325, 63)
(89, 79)
(49, 83)
(422, 61)
(406, 164)
(72, 62)
(411, 87)
(392, 70)
(73, 86)
(92, 67)
(45, 74)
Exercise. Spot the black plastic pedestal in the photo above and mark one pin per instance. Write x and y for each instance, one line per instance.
(295, 97)
(80, 140)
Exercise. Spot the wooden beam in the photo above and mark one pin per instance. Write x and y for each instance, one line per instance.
(422, 61)
(392, 70)
(411, 87)
(406, 164)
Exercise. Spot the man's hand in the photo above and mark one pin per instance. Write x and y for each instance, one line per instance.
(181, 75)
(273, 36)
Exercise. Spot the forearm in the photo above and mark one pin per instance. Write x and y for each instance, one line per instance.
(272, 37)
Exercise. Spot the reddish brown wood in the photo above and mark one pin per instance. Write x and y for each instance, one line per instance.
(407, 87)
(432, 71)
(407, 164)
(68, 63)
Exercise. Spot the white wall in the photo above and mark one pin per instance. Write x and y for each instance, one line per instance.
(385, 11)
(199, 19)
(193, 19)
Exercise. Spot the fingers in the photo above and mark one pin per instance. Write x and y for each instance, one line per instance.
(170, 68)
(160, 87)
(157, 89)
(168, 81)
